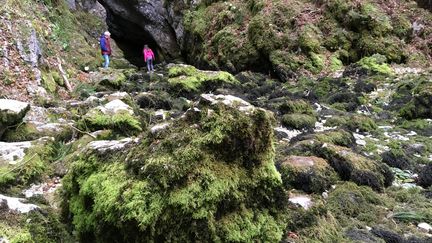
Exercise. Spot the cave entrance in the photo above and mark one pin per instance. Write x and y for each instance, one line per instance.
(131, 38)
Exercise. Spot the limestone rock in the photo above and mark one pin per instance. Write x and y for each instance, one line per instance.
(110, 145)
(305, 201)
(13, 153)
(310, 174)
(227, 100)
(16, 204)
(11, 112)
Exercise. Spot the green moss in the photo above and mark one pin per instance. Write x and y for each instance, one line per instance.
(310, 174)
(355, 167)
(113, 79)
(335, 63)
(419, 101)
(353, 123)
(296, 106)
(31, 168)
(189, 79)
(316, 63)
(121, 122)
(184, 184)
(376, 63)
(378, 21)
(262, 34)
(286, 61)
(28, 132)
(337, 137)
(298, 121)
(349, 201)
(310, 39)
(225, 49)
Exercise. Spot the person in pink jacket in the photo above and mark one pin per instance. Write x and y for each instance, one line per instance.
(148, 57)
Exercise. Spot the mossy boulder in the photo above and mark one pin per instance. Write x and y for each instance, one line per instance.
(355, 167)
(111, 79)
(188, 79)
(42, 225)
(115, 115)
(24, 162)
(11, 113)
(309, 174)
(299, 121)
(397, 158)
(35, 130)
(296, 106)
(350, 201)
(425, 176)
(337, 137)
(211, 178)
(376, 63)
(421, 102)
(353, 123)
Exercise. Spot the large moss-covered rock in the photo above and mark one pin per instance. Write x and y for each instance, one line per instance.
(187, 79)
(349, 201)
(298, 121)
(24, 162)
(310, 174)
(115, 115)
(421, 102)
(209, 178)
(26, 222)
(11, 113)
(355, 167)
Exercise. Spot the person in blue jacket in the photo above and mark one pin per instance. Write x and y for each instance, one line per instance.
(105, 46)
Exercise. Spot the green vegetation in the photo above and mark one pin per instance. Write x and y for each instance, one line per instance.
(184, 184)
(122, 122)
(376, 63)
(298, 121)
(353, 123)
(309, 174)
(237, 35)
(186, 78)
(31, 168)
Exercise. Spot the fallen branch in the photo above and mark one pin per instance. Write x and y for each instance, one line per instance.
(78, 130)
(18, 166)
(63, 73)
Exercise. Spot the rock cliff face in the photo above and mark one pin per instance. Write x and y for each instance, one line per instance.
(146, 22)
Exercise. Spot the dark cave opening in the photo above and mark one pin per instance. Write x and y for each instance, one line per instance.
(131, 38)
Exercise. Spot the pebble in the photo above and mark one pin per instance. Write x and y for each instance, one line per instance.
(424, 227)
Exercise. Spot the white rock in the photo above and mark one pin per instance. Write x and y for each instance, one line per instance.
(424, 227)
(289, 133)
(385, 127)
(228, 100)
(110, 145)
(116, 96)
(13, 106)
(16, 204)
(160, 114)
(159, 127)
(116, 106)
(412, 133)
(361, 142)
(303, 200)
(12, 153)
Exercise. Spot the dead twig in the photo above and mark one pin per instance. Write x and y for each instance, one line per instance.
(63, 73)
(78, 130)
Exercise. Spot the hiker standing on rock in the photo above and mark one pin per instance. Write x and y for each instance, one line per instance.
(148, 57)
(105, 46)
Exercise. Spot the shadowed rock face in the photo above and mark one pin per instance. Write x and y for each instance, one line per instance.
(139, 22)
(427, 4)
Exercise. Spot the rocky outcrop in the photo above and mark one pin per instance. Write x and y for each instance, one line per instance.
(146, 22)
(11, 112)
